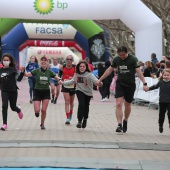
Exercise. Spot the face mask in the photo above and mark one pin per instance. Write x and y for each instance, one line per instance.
(6, 63)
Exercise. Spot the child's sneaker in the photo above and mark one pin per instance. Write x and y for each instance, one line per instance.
(20, 114)
(84, 124)
(42, 127)
(4, 127)
(161, 129)
(79, 125)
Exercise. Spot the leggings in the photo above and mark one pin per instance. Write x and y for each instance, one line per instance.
(83, 105)
(163, 107)
(10, 96)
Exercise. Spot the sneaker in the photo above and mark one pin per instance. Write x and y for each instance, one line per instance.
(31, 101)
(79, 125)
(55, 101)
(124, 126)
(4, 127)
(37, 114)
(52, 100)
(67, 121)
(103, 100)
(161, 129)
(42, 126)
(20, 114)
(119, 128)
(84, 124)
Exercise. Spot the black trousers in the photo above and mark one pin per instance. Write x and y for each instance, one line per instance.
(10, 96)
(163, 107)
(83, 105)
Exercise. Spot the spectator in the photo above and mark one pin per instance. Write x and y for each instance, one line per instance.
(154, 60)
(90, 65)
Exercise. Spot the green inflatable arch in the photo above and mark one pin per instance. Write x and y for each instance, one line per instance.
(86, 27)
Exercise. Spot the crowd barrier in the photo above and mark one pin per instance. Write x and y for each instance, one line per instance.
(151, 96)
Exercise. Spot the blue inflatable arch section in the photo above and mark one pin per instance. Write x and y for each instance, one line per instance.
(18, 35)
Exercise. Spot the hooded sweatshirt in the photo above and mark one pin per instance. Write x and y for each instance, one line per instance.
(84, 82)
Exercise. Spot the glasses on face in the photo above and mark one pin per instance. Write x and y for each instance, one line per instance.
(5, 60)
(68, 59)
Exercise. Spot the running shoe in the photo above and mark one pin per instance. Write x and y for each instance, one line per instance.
(37, 114)
(4, 127)
(79, 125)
(84, 124)
(55, 101)
(20, 114)
(67, 121)
(42, 127)
(31, 101)
(119, 128)
(52, 100)
(124, 126)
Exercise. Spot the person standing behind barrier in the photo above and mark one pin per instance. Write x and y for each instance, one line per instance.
(125, 85)
(33, 64)
(84, 79)
(89, 65)
(164, 97)
(42, 90)
(8, 86)
(55, 87)
(108, 81)
(101, 71)
(66, 73)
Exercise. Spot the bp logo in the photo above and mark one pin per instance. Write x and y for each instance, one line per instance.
(43, 6)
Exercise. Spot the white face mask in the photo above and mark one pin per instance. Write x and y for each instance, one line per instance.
(6, 63)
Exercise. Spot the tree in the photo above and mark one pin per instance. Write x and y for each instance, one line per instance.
(120, 34)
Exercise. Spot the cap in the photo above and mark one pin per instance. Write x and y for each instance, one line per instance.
(44, 57)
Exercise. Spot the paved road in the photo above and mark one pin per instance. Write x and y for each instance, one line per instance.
(97, 146)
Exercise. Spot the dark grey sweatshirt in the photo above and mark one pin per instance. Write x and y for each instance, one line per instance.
(164, 92)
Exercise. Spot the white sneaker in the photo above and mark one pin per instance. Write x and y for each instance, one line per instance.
(103, 99)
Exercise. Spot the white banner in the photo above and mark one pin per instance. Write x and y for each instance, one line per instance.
(60, 52)
(50, 31)
(150, 96)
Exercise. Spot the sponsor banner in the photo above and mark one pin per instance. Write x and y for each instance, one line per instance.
(49, 31)
(50, 52)
(97, 48)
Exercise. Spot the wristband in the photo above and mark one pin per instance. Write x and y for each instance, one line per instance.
(145, 84)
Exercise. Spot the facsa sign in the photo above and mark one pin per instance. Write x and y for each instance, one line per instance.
(50, 31)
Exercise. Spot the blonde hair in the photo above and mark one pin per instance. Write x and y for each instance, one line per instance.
(165, 70)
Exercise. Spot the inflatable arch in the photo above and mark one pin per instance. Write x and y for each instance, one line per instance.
(22, 31)
(146, 25)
